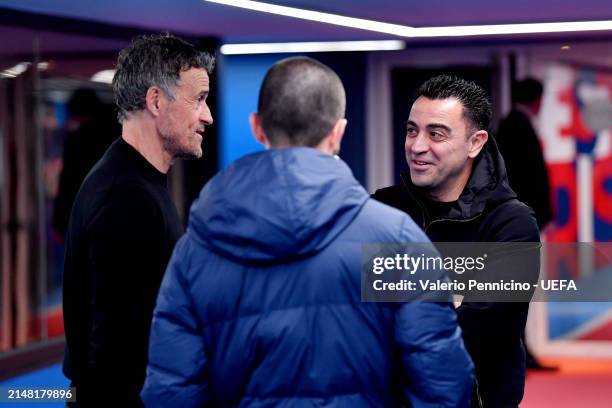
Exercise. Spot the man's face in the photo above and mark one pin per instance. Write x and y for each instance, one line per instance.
(182, 121)
(437, 146)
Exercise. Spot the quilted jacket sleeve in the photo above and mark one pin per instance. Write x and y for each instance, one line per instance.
(438, 372)
(176, 372)
(437, 368)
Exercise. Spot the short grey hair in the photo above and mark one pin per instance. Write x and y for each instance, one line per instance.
(153, 60)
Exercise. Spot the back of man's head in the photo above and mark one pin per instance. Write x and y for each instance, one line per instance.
(300, 102)
(527, 91)
(476, 103)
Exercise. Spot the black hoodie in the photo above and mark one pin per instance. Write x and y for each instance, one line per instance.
(486, 211)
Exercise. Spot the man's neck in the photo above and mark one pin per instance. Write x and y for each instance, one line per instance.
(453, 192)
(445, 197)
(142, 135)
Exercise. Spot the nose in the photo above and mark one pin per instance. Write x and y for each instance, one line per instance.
(206, 116)
(417, 144)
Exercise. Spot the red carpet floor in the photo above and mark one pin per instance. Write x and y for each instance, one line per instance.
(577, 384)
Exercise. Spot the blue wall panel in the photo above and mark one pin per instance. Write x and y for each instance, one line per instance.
(240, 80)
(241, 77)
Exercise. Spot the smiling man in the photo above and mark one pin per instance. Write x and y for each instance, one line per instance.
(124, 224)
(441, 147)
(457, 191)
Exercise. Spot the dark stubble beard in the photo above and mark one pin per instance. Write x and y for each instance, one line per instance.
(176, 151)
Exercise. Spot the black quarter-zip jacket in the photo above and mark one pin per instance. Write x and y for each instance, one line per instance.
(486, 211)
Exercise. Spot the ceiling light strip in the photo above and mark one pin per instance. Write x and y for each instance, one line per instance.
(317, 16)
(420, 32)
(505, 29)
(303, 47)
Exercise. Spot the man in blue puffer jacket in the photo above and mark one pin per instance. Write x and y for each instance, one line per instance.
(260, 305)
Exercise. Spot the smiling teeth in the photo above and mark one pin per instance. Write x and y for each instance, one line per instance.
(420, 163)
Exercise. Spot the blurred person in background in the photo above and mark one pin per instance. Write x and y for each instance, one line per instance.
(520, 147)
(124, 225)
(261, 303)
(522, 152)
(91, 130)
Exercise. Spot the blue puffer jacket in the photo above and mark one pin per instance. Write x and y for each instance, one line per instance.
(260, 305)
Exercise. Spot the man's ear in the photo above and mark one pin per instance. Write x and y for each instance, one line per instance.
(260, 136)
(477, 142)
(154, 100)
(335, 137)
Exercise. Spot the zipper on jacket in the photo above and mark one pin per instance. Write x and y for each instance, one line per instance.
(450, 220)
(425, 215)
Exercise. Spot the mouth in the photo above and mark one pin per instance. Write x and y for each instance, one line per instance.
(200, 132)
(420, 165)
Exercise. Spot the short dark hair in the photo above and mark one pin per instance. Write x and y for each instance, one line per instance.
(527, 90)
(475, 101)
(300, 101)
(153, 60)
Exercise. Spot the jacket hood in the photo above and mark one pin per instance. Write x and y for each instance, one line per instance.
(276, 205)
(488, 184)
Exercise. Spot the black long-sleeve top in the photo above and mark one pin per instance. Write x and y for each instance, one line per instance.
(121, 234)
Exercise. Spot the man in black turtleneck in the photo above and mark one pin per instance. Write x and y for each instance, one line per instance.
(457, 191)
(124, 225)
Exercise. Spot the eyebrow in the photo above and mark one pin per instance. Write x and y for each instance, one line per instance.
(430, 125)
(438, 126)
